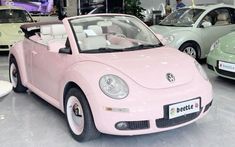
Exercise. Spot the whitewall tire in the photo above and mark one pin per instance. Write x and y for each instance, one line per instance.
(79, 116)
(15, 78)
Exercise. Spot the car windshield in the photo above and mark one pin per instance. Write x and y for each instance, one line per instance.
(98, 34)
(183, 17)
(14, 16)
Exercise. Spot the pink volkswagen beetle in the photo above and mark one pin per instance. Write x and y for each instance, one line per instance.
(109, 74)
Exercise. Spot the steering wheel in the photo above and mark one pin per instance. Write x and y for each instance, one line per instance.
(120, 35)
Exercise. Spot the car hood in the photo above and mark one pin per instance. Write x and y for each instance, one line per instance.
(168, 30)
(149, 68)
(12, 29)
(227, 44)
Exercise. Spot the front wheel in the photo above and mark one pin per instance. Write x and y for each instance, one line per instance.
(15, 78)
(79, 116)
(190, 49)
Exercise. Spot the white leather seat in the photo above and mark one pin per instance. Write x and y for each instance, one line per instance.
(56, 45)
(78, 29)
(96, 29)
(79, 33)
(114, 29)
(58, 31)
(222, 19)
(94, 42)
(95, 39)
(59, 35)
(45, 34)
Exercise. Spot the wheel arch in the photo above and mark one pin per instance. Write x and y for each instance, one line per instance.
(67, 87)
(92, 129)
(196, 44)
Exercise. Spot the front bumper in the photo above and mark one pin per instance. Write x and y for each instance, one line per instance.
(150, 116)
(213, 59)
(5, 47)
(7, 42)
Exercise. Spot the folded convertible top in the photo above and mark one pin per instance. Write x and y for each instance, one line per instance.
(31, 28)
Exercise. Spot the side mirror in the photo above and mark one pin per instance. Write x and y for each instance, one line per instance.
(206, 24)
(65, 51)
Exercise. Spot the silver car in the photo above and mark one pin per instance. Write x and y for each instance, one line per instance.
(194, 29)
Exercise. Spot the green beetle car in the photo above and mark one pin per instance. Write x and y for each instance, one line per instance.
(194, 29)
(221, 59)
(11, 18)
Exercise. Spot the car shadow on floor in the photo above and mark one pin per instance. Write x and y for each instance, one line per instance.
(226, 81)
(202, 61)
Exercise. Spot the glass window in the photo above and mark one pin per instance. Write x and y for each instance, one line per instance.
(183, 17)
(218, 17)
(112, 33)
(14, 16)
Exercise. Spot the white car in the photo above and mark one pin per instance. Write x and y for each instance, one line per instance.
(194, 29)
(11, 18)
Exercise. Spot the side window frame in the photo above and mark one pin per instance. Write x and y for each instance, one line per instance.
(232, 15)
(214, 20)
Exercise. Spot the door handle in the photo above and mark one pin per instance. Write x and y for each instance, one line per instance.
(34, 53)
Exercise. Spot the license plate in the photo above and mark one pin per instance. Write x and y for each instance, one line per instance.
(184, 108)
(227, 66)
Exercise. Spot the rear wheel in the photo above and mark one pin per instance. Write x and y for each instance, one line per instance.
(15, 78)
(190, 49)
(79, 116)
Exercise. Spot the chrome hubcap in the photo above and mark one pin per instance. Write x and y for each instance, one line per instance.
(75, 115)
(190, 51)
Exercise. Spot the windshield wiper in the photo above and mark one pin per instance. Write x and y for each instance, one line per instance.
(143, 46)
(104, 50)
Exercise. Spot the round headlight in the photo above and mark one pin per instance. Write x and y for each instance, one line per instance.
(215, 45)
(201, 70)
(167, 40)
(113, 86)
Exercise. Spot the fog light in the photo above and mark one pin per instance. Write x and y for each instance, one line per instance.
(122, 126)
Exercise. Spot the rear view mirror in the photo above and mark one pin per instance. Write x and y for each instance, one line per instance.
(206, 24)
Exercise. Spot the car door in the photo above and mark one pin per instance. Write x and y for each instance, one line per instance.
(28, 45)
(40, 66)
(48, 66)
(221, 25)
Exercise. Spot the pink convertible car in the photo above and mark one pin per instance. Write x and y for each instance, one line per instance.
(109, 74)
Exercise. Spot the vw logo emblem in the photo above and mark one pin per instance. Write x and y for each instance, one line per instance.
(170, 77)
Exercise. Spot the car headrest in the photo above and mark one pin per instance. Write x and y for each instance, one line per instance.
(58, 29)
(222, 17)
(97, 29)
(45, 30)
(78, 29)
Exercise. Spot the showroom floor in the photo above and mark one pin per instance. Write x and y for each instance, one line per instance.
(28, 121)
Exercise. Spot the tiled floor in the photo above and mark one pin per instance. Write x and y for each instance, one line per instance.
(28, 121)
